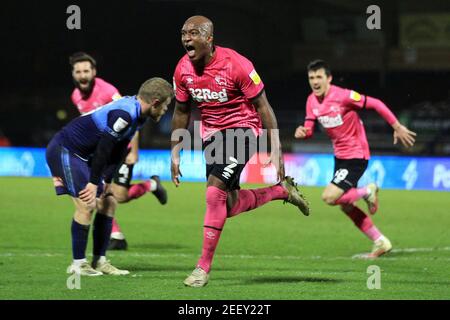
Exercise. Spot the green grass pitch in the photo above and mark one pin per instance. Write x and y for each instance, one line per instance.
(273, 252)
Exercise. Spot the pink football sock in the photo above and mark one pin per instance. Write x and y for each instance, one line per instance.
(216, 214)
(254, 198)
(115, 226)
(138, 190)
(362, 222)
(352, 196)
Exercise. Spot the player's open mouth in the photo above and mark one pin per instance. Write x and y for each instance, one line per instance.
(190, 50)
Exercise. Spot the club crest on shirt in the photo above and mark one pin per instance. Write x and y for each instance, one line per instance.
(335, 109)
(315, 112)
(220, 81)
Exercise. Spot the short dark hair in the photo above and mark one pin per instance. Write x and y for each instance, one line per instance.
(319, 64)
(81, 57)
(156, 88)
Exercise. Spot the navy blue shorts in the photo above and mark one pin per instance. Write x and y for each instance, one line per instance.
(70, 172)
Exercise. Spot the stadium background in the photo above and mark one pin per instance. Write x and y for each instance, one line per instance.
(405, 63)
(272, 253)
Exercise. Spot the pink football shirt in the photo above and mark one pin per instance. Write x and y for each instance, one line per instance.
(223, 92)
(337, 113)
(102, 94)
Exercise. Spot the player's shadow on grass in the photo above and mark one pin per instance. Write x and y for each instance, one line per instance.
(157, 268)
(289, 279)
(407, 254)
(153, 267)
(157, 246)
(442, 283)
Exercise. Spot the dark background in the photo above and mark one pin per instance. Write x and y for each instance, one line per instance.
(405, 65)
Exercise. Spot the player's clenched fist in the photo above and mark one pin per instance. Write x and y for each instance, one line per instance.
(301, 132)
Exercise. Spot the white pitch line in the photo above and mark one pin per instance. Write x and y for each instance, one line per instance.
(28, 254)
(421, 249)
(263, 257)
(268, 257)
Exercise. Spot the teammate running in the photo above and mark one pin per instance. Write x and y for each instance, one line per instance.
(337, 111)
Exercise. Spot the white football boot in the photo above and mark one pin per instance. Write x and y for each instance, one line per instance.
(83, 269)
(381, 246)
(198, 278)
(106, 267)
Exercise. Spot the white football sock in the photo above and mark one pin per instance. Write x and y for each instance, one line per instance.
(79, 262)
(153, 185)
(117, 235)
(99, 259)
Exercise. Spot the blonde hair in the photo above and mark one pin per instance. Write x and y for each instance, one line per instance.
(155, 88)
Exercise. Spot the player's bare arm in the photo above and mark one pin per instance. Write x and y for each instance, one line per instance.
(101, 156)
(102, 153)
(180, 120)
(269, 122)
(133, 156)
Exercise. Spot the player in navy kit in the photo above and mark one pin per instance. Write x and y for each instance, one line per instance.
(90, 93)
(86, 153)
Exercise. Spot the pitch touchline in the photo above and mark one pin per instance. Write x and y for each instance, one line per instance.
(274, 257)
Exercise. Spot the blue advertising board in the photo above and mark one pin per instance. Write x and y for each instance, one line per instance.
(389, 172)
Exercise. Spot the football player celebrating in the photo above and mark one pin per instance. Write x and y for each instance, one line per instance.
(336, 109)
(230, 95)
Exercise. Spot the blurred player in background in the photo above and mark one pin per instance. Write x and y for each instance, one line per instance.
(84, 155)
(336, 109)
(230, 95)
(92, 92)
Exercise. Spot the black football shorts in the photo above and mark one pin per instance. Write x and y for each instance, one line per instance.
(227, 153)
(347, 172)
